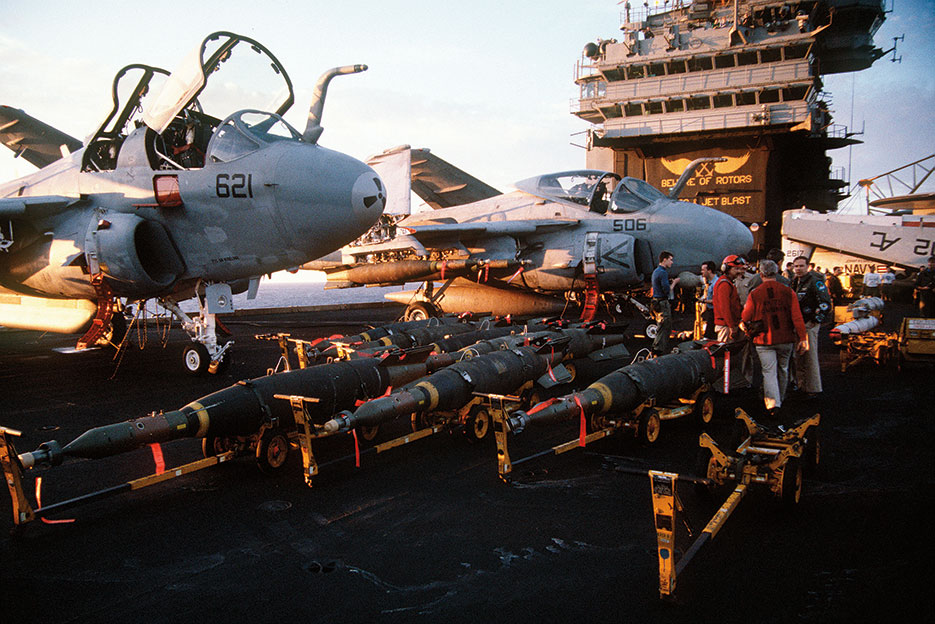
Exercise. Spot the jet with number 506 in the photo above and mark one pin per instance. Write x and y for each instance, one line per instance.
(192, 184)
(562, 238)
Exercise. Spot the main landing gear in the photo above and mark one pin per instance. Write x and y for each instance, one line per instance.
(204, 354)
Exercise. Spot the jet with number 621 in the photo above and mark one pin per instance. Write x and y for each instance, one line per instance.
(560, 241)
(193, 184)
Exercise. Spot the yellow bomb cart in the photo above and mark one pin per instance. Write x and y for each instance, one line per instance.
(916, 341)
(768, 456)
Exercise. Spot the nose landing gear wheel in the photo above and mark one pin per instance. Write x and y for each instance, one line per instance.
(195, 358)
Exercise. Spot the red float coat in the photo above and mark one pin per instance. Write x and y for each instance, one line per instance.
(726, 302)
(778, 307)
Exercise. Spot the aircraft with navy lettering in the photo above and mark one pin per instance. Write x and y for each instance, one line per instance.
(903, 239)
(560, 241)
(192, 184)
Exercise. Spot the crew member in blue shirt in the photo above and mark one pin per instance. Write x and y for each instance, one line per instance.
(662, 308)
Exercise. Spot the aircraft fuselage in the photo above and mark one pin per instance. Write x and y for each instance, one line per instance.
(269, 210)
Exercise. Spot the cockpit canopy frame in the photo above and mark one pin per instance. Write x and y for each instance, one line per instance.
(246, 131)
(599, 190)
(188, 82)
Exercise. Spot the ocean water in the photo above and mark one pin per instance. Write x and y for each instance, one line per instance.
(300, 294)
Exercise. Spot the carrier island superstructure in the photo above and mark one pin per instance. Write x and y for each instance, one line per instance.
(738, 79)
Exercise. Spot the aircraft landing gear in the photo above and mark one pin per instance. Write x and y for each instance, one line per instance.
(204, 355)
(420, 311)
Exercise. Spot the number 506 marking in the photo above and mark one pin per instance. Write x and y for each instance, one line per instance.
(234, 185)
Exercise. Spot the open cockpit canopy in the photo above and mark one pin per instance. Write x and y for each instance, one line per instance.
(250, 78)
(182, 109)
(586, 187)
(596, 189)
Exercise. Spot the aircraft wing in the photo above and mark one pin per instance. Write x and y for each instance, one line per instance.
(12, 207)
(437, 182)
(429, 233)
(37, 142)
(421, 237)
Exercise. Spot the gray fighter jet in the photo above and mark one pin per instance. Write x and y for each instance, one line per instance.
(193, 183)
(561, 238)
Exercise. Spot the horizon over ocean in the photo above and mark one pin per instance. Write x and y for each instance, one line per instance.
(299, 294)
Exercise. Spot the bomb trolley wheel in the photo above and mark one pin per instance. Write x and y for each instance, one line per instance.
(272, 451)
(649, 426)
(477, 424)
(790, 488)
(704, 408)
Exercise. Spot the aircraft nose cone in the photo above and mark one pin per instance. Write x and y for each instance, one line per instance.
(368, 197)
(737, 238)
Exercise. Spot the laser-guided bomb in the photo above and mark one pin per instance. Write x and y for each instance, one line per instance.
(330, 347)
(250, 408)
(498, 371)
(662, 379)
(243, 408)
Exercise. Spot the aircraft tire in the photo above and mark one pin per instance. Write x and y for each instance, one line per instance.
(195, 358)
(420, 311)
(118, 330)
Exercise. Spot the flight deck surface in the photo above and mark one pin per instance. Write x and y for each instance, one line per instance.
(429, 533)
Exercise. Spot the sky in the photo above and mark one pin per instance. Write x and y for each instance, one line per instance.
(487, 85)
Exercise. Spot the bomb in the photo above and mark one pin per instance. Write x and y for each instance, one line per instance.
(243, 408)
(664, 378)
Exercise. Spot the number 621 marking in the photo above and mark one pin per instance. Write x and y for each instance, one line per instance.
(234, 185)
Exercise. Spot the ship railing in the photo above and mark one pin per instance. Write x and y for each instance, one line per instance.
(636, 12)
(585, 68)
(840, 174)
(837, 131)
(779, 74)
(697, 121)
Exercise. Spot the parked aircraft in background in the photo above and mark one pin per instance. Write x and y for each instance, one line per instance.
(863, 243)
(560, 239)
(190, 184)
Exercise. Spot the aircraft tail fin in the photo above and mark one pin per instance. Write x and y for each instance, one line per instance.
(38, 143)
(437, 182)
